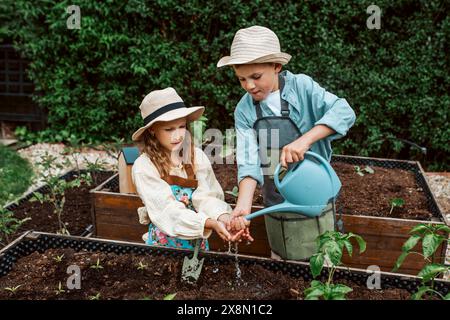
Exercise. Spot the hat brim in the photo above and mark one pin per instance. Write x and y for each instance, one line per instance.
(281, 57)
(192, 114)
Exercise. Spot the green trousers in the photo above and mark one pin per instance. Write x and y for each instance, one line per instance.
(293, 236)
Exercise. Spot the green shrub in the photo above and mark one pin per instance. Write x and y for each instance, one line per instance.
(15, 175)
(92, 80)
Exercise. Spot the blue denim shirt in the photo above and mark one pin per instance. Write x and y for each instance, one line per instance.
(309, 105)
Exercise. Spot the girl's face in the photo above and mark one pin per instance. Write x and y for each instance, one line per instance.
(258, 79)
(170, 134)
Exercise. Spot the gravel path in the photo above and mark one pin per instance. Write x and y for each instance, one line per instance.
(68, 162)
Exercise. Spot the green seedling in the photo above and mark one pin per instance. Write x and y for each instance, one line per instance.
(431, 236)
(60, 289)
(13, 289)
(142, 266)
(8, 225)
(97, 265)
(58, 259)
(331, 246)
(234, 192)
(360, 171)
(146, 298)
(96, 297)
(57, 187)
(396, 202)
(170, 296)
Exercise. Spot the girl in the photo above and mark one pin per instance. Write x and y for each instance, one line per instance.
(175, 181)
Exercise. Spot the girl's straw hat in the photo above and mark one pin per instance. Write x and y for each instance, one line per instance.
(255, 45)
(165, 105)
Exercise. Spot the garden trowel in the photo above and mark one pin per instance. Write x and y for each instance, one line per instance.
(192, 267)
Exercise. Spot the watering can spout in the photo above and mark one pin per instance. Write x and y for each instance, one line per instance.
(309, 211)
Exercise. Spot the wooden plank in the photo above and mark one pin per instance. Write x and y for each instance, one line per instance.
(117, 216)
(121, 232)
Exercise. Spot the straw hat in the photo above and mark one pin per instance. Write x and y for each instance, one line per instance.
(165, 105)
(255, 45)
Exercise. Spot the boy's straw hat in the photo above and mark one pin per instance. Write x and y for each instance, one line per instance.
(165, 105)
(255, 45)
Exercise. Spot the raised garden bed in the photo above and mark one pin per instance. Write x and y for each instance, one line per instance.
(77, 208)
(37, 263)
(364, 204)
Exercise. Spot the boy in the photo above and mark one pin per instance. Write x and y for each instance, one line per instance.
(280, 112)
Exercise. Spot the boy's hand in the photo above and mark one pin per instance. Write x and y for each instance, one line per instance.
(294, 151)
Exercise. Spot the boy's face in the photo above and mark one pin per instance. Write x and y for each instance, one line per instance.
(258, 79)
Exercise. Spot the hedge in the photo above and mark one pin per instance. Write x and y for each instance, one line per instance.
(91, 80)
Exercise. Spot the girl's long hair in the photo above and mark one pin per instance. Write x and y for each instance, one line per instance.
(160, 157)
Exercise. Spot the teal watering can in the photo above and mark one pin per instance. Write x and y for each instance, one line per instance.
(307, 187)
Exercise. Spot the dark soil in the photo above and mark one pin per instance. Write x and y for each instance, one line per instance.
(77, 210)
(368, 195)
(39, 275)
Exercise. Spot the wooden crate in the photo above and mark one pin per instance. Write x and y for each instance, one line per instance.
(115, 217)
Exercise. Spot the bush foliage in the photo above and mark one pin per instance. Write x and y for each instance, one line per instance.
(91, 80)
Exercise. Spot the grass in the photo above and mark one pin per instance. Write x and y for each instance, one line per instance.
(16, 175)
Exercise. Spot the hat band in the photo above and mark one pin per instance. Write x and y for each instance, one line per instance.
(152, 116)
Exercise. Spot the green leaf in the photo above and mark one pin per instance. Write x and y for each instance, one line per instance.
(400, 260)
(333, 251)
(430, 271)
(430, 243)
(420, 228)
(447, 297)
(443, 228)
(316, 264)
(411, 243)
(341, 289)
(348, 245)
(315, 291)
(397, 202)
(420, 292)
(170, 296)
(369, 170)
(361, 243)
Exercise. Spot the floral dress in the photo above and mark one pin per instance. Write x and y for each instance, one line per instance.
(182, 191)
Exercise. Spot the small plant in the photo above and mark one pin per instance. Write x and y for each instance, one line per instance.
(13, 289)
(60, 289)
(234, 192)
(142, 266)
(146, 298)
(170, 296)
(58, 259)
(93, 167)
(331, 246)
(396, 202)
(96, 297)
(431, 237)
(360, 171)
(8, 225)
(97, 266)
(57, 188)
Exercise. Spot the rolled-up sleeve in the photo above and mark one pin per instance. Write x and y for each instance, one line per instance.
(247, 150)
(208, 198)
(330, 110)
(168, 214)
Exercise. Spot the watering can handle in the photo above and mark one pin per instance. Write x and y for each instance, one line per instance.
(315, 155)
